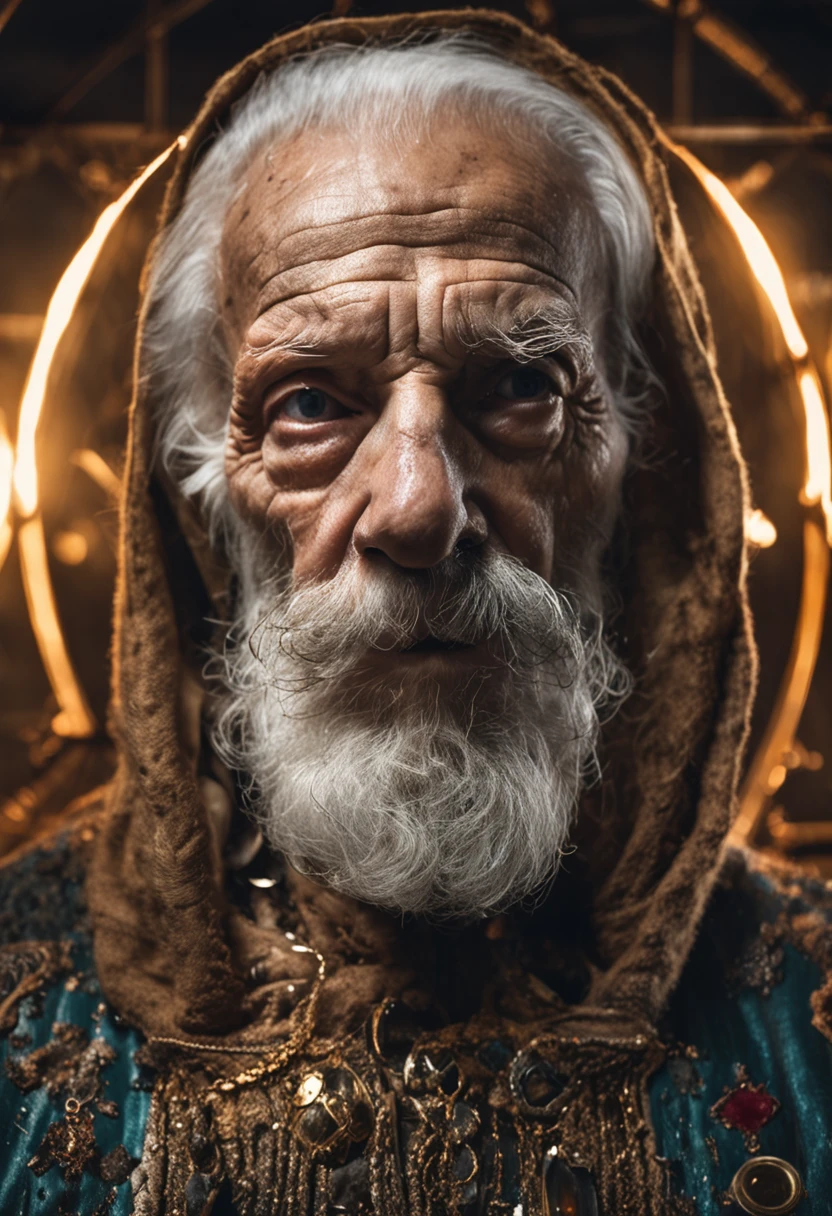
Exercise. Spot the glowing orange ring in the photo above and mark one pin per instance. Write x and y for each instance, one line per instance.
(74, 718)
(766, 772)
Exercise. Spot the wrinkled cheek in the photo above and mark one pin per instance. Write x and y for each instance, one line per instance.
(606, 478)
(537, 546)
(249, 488)
(295, 465)
(319, 490)
(592, 480)
(317, 527)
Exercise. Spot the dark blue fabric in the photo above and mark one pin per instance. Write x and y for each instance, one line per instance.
(41, 899)
(771, 1036)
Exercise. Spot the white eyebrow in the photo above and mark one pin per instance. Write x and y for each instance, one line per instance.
(544, 332)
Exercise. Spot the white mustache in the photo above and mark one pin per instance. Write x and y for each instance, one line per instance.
(488, 599)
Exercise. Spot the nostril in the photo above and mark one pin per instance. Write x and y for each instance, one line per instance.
(465, 545)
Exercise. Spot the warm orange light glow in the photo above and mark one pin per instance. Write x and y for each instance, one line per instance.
(97, 469)
(754, 245)
(818, 462)
(769, 769)
(770, 763)
(759, 530)
(5, 540)
(58, 314)
(75, 718)
(71, 548)
(817, 487)
(6, 471)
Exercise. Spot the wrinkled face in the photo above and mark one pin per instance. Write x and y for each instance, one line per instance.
(419, 367)
(420, 406)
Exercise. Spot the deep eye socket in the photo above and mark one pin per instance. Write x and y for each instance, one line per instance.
(310, 405)
(525, 383)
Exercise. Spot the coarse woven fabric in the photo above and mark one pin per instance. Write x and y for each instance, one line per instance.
(161, 919)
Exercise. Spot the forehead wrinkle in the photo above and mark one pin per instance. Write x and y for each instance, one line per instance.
(337, 319)
(495, 234)
(343, 289)
(370, 275)
(311, 333)
(387, 325)
(458, 213)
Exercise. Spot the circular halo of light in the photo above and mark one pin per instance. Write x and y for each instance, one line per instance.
(74, 718)
(767, 770)
(6, 475)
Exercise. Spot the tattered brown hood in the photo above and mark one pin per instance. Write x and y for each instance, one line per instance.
(174, 955)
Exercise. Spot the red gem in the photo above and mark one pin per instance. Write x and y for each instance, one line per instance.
(747, 1110)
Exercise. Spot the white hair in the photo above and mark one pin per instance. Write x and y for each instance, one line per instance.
(385, 788)
(402, 87)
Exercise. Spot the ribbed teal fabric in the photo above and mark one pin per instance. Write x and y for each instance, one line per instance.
(771, 1036)
(41, 900)
(26, 1117)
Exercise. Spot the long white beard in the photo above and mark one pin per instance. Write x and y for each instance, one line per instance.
(448, 805)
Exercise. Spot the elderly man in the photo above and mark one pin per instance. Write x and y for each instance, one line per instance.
(387, 909)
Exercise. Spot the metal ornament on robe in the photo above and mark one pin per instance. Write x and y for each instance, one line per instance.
(746, 1108)
(767, 1186)
(336, 1110)
(536, 1085)
(567, 1191)
(393, 1028)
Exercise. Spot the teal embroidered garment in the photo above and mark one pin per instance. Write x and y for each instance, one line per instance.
(741, 1026)
(65, 1041)
(746, 1073)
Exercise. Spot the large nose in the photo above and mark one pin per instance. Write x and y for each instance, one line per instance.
(418, 513)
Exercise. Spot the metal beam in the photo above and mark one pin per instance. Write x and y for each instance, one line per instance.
(128, 46)
(82, 133)
(682, 67)
(155, 71)
(752, 133)
(732, 42)
(619, 26)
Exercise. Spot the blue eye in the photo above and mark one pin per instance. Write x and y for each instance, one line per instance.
(524, 384)
(312, 405)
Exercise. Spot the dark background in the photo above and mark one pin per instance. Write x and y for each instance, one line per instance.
(90, 91)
